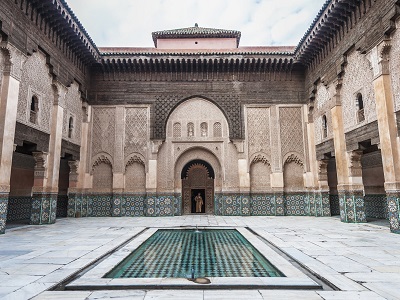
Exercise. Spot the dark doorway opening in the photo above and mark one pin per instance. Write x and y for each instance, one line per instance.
(194, 193)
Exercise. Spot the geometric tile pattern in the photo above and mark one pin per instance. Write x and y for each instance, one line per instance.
(376, 206)
(19, 208)
(334, 205)
(208, 253)
(393, 203)
(62, 206)
(263, 205)
(44, 207)
(352, 207)
(3, 212)
(156, 205)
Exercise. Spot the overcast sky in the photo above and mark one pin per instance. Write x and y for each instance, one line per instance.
(129, 23)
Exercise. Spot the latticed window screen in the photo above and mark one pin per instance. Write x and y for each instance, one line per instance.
(217, 130)
(177, 129)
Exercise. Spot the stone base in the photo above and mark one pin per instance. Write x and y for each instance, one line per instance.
(44, 207)
(393, 203)
(352, 207)
(3, 212)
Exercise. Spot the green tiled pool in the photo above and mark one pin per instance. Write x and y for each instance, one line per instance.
(205, 253)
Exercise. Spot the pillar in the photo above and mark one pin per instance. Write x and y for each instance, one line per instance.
(45, 187)
(348, 166)
(387, 126)
(321, 207)
(9, 91)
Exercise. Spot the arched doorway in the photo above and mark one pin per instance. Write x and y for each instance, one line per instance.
(197, 179)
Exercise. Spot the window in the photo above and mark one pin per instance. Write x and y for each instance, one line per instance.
(70, 127)
(360, 105)
(190, 129)
(217, 128)
(204, 129)
(177, 130)
(33, 114)
(324, 127)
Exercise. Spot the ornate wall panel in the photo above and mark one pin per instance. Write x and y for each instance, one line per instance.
(102, 177)
(291, 130)
(229, 103)
(103, 134)
(136, 130)
(322, 106)
(357, 78)
(260, 180)
(73, 108)
(135, 178)
(293, 176)
(37, 81)
(258, 130)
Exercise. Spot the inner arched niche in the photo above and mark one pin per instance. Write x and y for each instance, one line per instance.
(203, 114)
(186, 167)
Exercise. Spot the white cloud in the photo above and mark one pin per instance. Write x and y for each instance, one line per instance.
(130, 22)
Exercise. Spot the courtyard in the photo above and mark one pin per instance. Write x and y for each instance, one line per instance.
(349, 261)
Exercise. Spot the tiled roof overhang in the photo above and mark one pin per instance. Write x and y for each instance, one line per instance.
(196, 32)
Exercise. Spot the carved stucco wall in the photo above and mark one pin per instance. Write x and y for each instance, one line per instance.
(357, 78)
(36, 80)
(260, 176)
(73, 108)
(135, 178)
(103, 134)
(102, 177)
(322, 105)
(293, 176)
(196, 144)
(258, 130)
(136, 130)
(3, 60)
(395, 66)
(291, 131)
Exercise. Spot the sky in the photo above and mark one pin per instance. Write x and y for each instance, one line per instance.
(129, 23)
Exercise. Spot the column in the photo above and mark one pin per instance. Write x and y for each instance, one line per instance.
(348, 166)
(44, 205)
(119, 163)
(321, 206)
(9, 91)
(387, 126)
(45, 189)
(244, 179)
(75, 205)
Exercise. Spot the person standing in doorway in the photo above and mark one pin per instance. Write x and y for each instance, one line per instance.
(199, 203)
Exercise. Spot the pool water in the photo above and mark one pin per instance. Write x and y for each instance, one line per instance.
(204, 253)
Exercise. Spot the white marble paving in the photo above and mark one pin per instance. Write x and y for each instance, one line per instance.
(361, 259)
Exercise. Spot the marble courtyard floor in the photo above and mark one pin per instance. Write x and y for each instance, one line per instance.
(355, 261)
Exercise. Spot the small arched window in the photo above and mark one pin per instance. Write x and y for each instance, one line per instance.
(190, 129)
(204, 129)
(360, 105)
(70, 127)
(177, 130)
(324, 127)
(217, 129)
(33, 113)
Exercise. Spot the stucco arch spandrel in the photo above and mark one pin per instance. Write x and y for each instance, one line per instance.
(293, 157)
(101, 158)
(134, 157)
(259, 157)
(198, 153)
(228, 104)
(197, 110)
